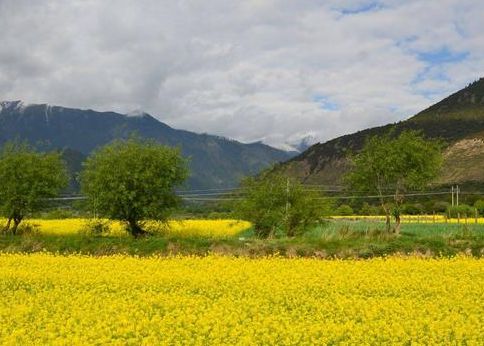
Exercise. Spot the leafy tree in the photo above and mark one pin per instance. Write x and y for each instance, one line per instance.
(412, 208)
(389, 167)
(132, 181)
(368, 209)
(344, 210)
(27, 177)
(463, 210)
(274, 203)
(479, 205)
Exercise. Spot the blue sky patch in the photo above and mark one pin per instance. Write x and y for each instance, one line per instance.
(325, 103)
(442, 56)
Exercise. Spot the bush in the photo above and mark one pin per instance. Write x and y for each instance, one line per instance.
(28, 229)
(97, 227)
(344, 210)
(276, 204)
(368, 209)
(479, 205)
(57, 214)
(462, 210)
(412, 209)
(441, 207)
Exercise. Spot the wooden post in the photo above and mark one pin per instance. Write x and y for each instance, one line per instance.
(475, 215)
(452, 191)
(433, 216)
(457, 195)
(458, 217)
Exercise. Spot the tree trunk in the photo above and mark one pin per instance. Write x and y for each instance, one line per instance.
(388, 221)
(135, 229)
(387, 218)
(16, 222)
(398, 202)
(397, 223)
(386, 210)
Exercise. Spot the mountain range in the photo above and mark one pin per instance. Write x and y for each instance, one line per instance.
(218, 162)
(458, 120)
(215, 162)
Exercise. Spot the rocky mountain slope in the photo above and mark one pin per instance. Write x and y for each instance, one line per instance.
(458, 120)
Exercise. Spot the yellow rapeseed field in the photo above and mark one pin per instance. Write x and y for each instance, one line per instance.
(67, 300)
(416, 218)
(184, 228)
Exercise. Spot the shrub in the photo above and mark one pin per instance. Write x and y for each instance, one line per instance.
(28, 229)
(274, 203)
(368, 209)
(412, 209)
(441, 207)
(479, 205)
(58, 213)
(97, 227)
(462, 210)
(344, 210)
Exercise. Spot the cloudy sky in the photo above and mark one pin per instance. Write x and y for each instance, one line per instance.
(268, 70)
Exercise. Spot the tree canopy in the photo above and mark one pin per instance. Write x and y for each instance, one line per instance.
(27, 178)
(390, 166)
(133, 180)
(275, 203)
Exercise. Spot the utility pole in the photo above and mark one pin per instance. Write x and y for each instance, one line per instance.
(287, 197)
(452, 191)
(287, 204)
(457, 194)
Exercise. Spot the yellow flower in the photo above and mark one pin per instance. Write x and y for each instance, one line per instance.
(216, 300)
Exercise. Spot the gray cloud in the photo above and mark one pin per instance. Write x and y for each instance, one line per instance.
(252, 70)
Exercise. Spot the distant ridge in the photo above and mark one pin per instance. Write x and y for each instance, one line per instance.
(457, 119)
(216, 162)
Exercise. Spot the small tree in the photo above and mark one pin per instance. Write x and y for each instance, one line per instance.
(273, 202)
(344, 210)
(27, 178)
(132, 181)
(479, 205)
(388, 167)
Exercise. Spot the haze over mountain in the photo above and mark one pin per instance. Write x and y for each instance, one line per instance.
(215, 162)
(457, 119)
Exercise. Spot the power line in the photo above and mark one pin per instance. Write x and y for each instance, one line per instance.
(237, 196)
(210, 190)
(208, 194)
(212, 199)
(384, 196)
(68, 198)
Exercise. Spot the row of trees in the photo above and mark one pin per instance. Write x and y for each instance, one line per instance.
(416, 208)
(131, 181)
(135, 180)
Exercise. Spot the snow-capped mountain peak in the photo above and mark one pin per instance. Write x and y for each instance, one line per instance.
(302, 144)
(12, 105)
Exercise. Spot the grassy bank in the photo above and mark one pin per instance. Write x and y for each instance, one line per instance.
(337, 238)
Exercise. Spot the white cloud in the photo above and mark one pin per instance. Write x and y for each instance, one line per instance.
(251, 70)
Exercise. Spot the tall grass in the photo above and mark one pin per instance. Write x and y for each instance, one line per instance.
(335, 238)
